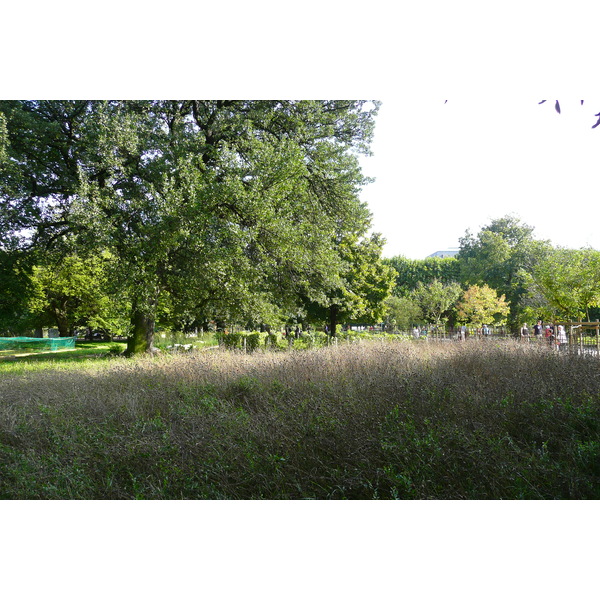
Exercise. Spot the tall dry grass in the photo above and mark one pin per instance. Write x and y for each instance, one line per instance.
(371, 420)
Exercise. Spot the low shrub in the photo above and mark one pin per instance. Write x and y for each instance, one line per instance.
(310, 340)
(116, 349)
(276, 341)
(255, 340)
(243, 340)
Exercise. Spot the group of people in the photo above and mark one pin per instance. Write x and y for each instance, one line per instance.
(554, 335)
(463, 332)
(418, 332)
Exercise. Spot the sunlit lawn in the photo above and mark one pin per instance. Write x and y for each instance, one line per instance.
(15, 361)
(85, 353)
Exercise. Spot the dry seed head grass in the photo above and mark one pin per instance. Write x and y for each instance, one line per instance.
(348, 414)
(376, 372)
(472, 370)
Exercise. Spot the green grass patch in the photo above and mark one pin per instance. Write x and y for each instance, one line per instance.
(78, 358)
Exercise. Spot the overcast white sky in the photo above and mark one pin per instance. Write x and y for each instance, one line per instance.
(441, 168)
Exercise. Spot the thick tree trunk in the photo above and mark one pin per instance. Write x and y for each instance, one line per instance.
(141, 338)
(60, 310)
(65, 329)
(333, 316)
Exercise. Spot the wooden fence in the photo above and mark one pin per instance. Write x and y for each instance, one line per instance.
(583, 336)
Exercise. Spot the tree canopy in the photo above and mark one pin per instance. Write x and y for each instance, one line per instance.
(411, 272)
(365, 283)
(568, 283)
(480, 305)
(223, 204)
(537, 280)
(500, 256)
(232, 210)
(436, 299)
(75, 292)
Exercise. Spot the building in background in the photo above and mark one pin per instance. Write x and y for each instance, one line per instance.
(444, 253)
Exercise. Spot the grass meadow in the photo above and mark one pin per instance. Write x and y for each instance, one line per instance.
(369, 420)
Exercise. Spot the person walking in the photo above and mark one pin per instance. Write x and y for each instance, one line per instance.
(524, 333)
(549, 335)
(561, 338)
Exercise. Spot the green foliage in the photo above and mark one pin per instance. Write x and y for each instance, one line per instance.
(312, 339)
(254, 340)
(436, 299)
(72, 291)
(482, 306)
(401, 313)
(227, 208)
(275, 340)
(116, 349)
(365, 282)
(412, 272)
(368, 281)
(246, 340)
(15, 289)
(500, 256)
(229, 340)
(566, 283)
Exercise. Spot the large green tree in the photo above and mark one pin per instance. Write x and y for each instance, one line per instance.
(500, 256)
(363, 285)
(567, 282)
(367, 282)
(436, 299)
(216, 203)
(401, 313)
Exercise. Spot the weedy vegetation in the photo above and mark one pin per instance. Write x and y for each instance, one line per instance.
(369, 420)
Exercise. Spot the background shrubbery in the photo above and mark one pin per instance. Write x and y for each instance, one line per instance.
(307, 340)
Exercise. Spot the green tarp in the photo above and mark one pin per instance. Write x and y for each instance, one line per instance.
(39, 344)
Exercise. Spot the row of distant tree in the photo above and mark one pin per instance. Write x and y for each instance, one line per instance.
(501, 275)
(75, 293)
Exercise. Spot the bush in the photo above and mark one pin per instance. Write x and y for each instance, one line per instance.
(243, 340)
(232, 341)
(311, 339)
(254, 340)
(116, 349)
